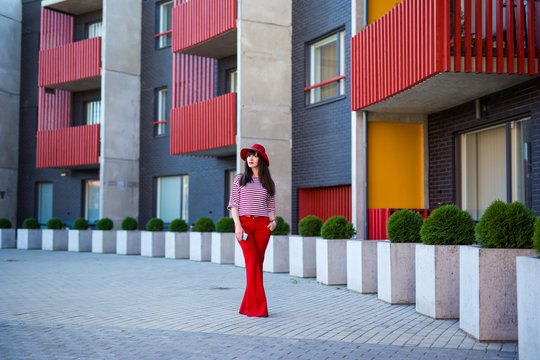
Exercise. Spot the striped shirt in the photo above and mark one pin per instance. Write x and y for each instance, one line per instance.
(251, 199)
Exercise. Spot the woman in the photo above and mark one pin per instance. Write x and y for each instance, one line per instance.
(252, 205)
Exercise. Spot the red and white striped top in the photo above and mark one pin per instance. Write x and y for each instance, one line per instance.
(251, 199)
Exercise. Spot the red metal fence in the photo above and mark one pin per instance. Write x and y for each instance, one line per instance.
(196, 21)
(420, 38)
(193, 79)
(205, 125)
(54, 109)
(325, 202)
(377, 219)
(68, 146)
(56, 29)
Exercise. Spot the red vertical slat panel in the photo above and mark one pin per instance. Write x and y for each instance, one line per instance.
(531, 58)
(468, 35)
(510, 27)
(489, 37)
(478, 36)
(500, 36)
(457, 36)
(520, 35)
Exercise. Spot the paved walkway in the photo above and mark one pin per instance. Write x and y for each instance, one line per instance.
(62, 305)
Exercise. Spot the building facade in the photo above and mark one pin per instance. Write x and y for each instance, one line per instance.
(140, 108)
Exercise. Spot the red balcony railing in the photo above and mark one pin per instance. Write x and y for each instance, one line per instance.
(76, 61)
(421, 38)
(196, 21)
(206, 125)
(325, 202)
(72, 146)
(378, 218)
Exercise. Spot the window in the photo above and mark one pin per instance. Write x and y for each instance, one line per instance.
(164, 21)
(162, 112)
(326, 68)
(172, 197)
(232, 81)
(229, 180)
(91, 201)
(496, 164)
(45, 202)
(93, 29)
(92, 112)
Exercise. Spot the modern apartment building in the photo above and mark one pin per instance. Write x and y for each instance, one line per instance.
(140, 108)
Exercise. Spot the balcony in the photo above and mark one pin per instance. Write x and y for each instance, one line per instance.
(205, 28)
(68, 147)
(206, 128)
(411, 60)
(73, 7)
(74, 66)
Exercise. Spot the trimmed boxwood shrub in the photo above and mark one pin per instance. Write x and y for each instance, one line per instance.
(448, 225)
(536, 236)
(5, 223)
(154, 224)
(105, 224)
(310, 226)
(403, 226)
(506, 226)
(225, 225)
(30, 223)
(282, 227)
(54, 224)
(129, 223)
(80, 224)
(178, 225)
(337, 227)
(204, 224)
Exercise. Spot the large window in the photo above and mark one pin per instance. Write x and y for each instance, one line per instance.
(162, 112)
(93, 29)
(326, 68)
(164, 22)
(232, 81)
(172, 198)
(44, 202)
(91, 201)
(496, 164)
(92, 112)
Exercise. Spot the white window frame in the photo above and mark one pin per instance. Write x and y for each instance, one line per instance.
(87, 186)
(163, 8)
(94, 29)
(43, 218)
(162, 111)
(184, 196)
(93, 112)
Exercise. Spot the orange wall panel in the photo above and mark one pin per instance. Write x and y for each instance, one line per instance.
(378, 8)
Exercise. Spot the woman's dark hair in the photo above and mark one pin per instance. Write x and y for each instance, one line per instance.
(264, 174)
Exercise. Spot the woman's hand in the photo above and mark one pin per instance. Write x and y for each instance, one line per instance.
(238, 232)
(272, 225)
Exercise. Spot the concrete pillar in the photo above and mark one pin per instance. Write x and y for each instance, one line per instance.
(264, 94)
(120, 98)
(10, 73)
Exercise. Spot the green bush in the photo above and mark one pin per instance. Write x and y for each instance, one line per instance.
(105, 224)
(129, 223)
(154, 224)
(225, 225)
(282, 227)
(178, 225)
(54, 224)
(506, 226)
(204, 224)
(536, 236)
(403, 226)
(5, 223)
(30, 223)
(310, 226)
(448, 225)
(337, 227)
(80, 224)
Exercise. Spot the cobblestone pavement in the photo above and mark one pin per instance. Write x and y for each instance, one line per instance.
(62, 305)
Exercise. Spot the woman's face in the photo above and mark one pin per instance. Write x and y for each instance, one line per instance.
(253, 160)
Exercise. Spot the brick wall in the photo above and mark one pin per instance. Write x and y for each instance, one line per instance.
(511, 104)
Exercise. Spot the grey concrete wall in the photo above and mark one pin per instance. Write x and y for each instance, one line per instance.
(120, 97)
(264, 95)
(10, 73)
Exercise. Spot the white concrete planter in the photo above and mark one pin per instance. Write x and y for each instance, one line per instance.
(7, 238)
(54, 240)
(302, 256)
(395, 272)
(153, 243)
(238, 255)
(200, 246)
(487, 292)
(103, 241)
(28, 239)
(222, 248)
(528, 293)
(437, 281)
(276, 257)
(362, 266)
(79, 240)
(128, 242)
(331, 261)
(177, 245)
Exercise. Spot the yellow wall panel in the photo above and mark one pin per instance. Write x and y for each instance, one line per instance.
(395, 165)
(377, 8)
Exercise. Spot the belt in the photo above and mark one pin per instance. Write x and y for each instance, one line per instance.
(253, 216)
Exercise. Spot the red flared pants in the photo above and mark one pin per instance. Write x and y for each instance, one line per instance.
(254, 302)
